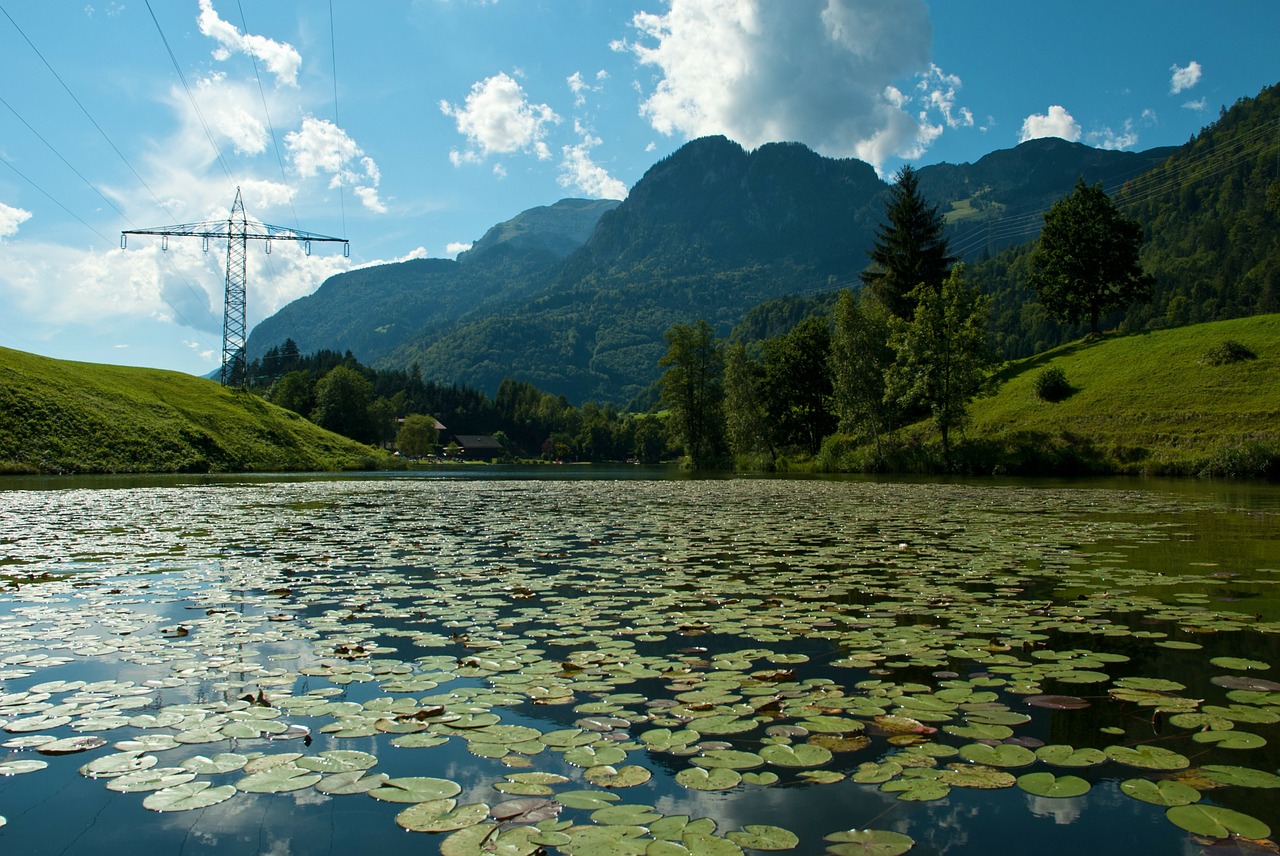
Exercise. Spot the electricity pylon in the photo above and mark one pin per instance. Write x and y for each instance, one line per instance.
(238, 231)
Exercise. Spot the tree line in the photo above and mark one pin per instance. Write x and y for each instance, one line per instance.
(911, 345)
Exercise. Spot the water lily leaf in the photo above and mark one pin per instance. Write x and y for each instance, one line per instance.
(822, 777)
(419, 741)
(70, 745)
(869, 842)
(672, 826)
(188, 796)
(109, 766)
(873, 773)
(625, 815)
(224, 762)
(694, 844)
(1241, 713)
(1239, 682)
(1055, 787)
(763, 779)
(731, 758)
(764, 837)
(800, 755)
(337, 761)
(1061, 755)
(917, 790)
(350, 782)
(831, 725)
(18, 766)
(1230, 739)
(586, 800)
(603, 841)
(723, 724)
(1216, 822)
(527, 810)
(607, 776)
(277, 780)
(415, 789)
(1148, 757)
(427, 816)
(1164, 792)
(1238, 663)
(1243, 776)
(594, 756)
(703, 779)
(488, 839)
(1057, 702)
(977, 776)
(1000, 755)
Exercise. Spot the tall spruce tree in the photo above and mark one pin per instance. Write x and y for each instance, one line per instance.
(909, 248)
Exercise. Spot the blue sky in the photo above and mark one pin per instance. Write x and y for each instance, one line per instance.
(411, 126)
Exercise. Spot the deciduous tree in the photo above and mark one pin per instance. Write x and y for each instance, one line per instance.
(1086, 261)
(860, 355)
(693, 390)
(942, 356)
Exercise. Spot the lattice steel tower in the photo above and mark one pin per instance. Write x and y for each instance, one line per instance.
(238, 232)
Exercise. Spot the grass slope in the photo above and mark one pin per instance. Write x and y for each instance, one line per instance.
(1140, 403)
(59, 416)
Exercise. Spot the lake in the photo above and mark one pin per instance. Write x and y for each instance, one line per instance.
(607, 661)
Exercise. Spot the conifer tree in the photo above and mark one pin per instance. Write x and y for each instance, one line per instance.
(909, 248)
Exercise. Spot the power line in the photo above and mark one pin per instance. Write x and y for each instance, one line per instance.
(191, 97)
(275, 141)
(85, 111)
(52, 199)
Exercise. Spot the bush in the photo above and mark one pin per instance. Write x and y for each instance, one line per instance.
(1225, 352)
(1051, 384)
(1250, 459)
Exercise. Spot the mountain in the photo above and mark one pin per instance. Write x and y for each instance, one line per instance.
(576, 297)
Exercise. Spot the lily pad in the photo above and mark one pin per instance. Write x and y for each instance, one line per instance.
(1244, 776)
(713, 779)
(278, 780)
(1054, 787)
(1230, 739)
(800, 755)
(1061, 755)
(607, 776)
(188, 796)
(350, 782)
(415, 789)
(1000, 755)
(869, 842)
(1216, 822)
(1164, 792)
(1148, 757)
(18, 766)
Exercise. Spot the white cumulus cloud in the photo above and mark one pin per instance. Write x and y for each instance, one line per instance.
(281, 59)
(319, 146)
(11, 218)
(819, 72)
(497, 118)
(1126, 138)
(1057, 122)
(1184, 77)
(578, 170)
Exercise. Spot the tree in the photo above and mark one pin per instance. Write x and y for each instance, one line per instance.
(860, 355)
(295, 391)
(693, 390)
(746, 422)
(1086, 261)
(909, 247)
(343, 397)
(942, 356)
(417, 436)
(797, 383)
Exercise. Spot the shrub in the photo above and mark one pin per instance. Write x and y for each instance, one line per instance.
(1225, 352)
(1051, 384)
(1250, 459)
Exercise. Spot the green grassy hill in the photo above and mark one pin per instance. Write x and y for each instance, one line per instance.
(1144, 402)
(59, 416)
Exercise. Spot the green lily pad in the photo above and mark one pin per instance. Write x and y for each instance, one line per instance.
(18, 766)
(70, 745)
(800, 755)
(188, 796)
(1239, 663)
(1061, 755)
(607, 776)
(732, 758)
(586, 800)
(763, 779)
(415, 789)
(337, 761)
(1164, 792)
(277, 780)
(1216, 822)
(1148, 757)
(1242, 776)
(594, 756)
(1230, 739)
(1049, 785)
(703, 779)
(917, 790)
(628, 814)
(869, 842)
(225, 762)
(1000, 755)
(441, 816)
(764, 837)
(977, 776)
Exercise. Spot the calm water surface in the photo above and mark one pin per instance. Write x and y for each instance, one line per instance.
(836, 654)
